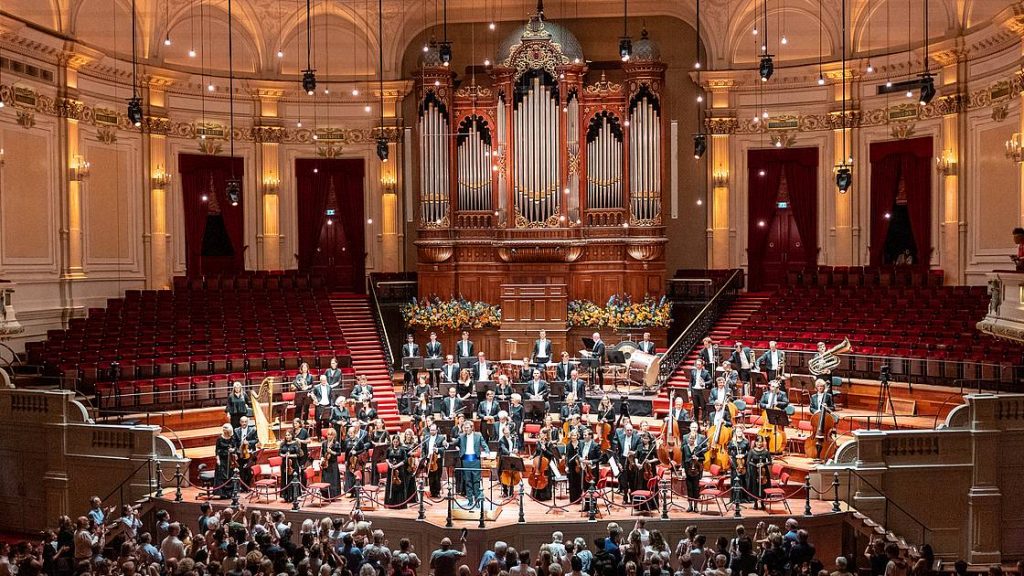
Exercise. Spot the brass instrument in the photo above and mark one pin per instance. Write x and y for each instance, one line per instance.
(826, 361)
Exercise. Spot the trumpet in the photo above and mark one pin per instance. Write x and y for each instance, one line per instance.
(826, 361)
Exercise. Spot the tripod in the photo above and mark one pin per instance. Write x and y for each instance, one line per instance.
(885, 403)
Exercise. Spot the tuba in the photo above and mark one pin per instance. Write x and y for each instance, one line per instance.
(829, 359)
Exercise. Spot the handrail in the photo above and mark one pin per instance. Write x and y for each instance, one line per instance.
(10, 364)
(925, 530)
(378, 322)
(701, 323)
(120, 486)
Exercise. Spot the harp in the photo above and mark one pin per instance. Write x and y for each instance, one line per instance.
(262, 404)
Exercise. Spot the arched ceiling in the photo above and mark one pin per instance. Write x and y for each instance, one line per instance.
(345, 45)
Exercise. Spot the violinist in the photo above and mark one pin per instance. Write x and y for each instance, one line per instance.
(773, 398)
(759, 470)
(574, 468)
(340, 416)
(225, 449)
(330, 450)
(821, 399)
(624, 446)
(433, 453)
(354, 446)
(645, 468)
(488, 413)
(590, 455)
(544, 449)
(570, 408)
(303, 437)
(397, 457)
(503, 389)
(576, 385)
(291, 467)
(451, 405)
(695, 445)
(738, 448)
(554, 432)
(421, 410)
(246, 443)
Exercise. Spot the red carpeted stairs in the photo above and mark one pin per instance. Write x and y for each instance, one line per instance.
(356, 320)
(739, 312)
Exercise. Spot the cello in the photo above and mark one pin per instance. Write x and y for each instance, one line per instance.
(774, 436)
(718, 446)
(538, 478)
(821, 445)
(670, 451)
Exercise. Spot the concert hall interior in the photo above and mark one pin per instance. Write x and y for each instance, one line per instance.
(517, 287)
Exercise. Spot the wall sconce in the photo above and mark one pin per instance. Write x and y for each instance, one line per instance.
(79, 169)
(161, 179)
(1013, 148)
(388, 183)
(271, 185)
(720, 178)
(945, 164)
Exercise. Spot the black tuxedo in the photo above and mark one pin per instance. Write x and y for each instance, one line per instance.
(577, 387)
(598, 352)
(620, 443)
(781, 400)
(563, 370)
(548, 352)
(434, 478)
(718, 395)
(450, 373)
(410, 350)
(817, 401)
(464, 349)
(709, 355)
(251, 439)
(434, 349)
(450, 407)
(726, 417)
(487, 367)
(697, 451)
(680, 420)
(647, 346)
(697, 394)
(536, 388)
(484, 410)
(766, 360)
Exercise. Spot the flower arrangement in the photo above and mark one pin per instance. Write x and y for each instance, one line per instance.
(621, 311)
(453, 314)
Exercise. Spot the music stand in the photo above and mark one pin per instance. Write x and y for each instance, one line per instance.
(541, 360)
(557, 388)
(412, 363)
(432, 363)
(444, 427)
(777, 417)
(511, 464)
(616, 357)
(450, 459)
(467, 362)
(534, 410)
(588, 343)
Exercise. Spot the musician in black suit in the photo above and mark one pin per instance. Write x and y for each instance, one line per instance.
(773, 397)
(709, 352)
(647, 345)
(576, 386)
(542, 348)
(482, 369)
(471, 449)
(449, 370)
(821, 398)
(773, 359)
(598, 351)
(742, 359)
(464, 348)
(410, 350)
(570, 408)
(433, 446)
(720, 393)
(695, 445)
(451, 404)
(434, 347)
(537, 388)
(720, 414)
(245, 434)
(487, 411)
(362, 389)
(700, 379)
(322, 399)
(563, 368)
(678, 418)
(624, 444)
(506, 447)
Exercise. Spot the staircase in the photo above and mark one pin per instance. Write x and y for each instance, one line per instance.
(357, 326)
(739, 312)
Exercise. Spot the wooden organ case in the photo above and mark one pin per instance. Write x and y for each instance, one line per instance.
(539, 178)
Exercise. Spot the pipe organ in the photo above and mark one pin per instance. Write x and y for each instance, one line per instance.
(544, 167)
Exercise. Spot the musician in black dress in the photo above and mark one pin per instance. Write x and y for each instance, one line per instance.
(367, 413)
(759, 471)
(246, 441)
(397, 482)
(237, 406)
(290, 467)
(517, 415)
(303, 382)
(353, 448)
(332, 449)
(224, 449)
(547, 449)
(340, 416)
(422, 387)
(303, 437)
(695, 445)
(574, 470)
(421, 410)
(333, 374)
(503, 389)
(738, 448)
(645, 467)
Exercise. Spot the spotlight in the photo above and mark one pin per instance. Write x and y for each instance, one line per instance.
(309, 81)
(234, 191)
(700, 98)
(821, 80)
(382, 149)
(625, 48)
(167, 40)
(367, 109)
(844, 179)
(191, 53)
(426, 48)
(280, 53)
(135, 110)
(444, 50)
(298, 123)
(766, 68)
(927, 88)
(784, 40)
(697, 64)
(700, 145)
(871, 69)
(487, 61)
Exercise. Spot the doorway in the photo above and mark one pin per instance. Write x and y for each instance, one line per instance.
(331, 221)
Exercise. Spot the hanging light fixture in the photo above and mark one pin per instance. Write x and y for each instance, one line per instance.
(135, 102)
(309, 74)
(167, 24)
(927, 80)
(382, 141)
(444, 49)
(700, 140)
(821, 24)
(700, 145)
(767, 66)
(844, 171)
(234, 185)
(625, 42)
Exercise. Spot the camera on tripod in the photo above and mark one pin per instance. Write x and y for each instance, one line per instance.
(885, 372)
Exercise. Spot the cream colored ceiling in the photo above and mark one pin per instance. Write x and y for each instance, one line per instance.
(345, 33)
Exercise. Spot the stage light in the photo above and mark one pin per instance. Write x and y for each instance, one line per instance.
(821, 80)
(844, 179)
(280, 53)
(766, 68)
(309, 81)
(382, 149)
(927, 88)
(871, 69)
(625, 48)
(135, 110)
(191, 53)
(234, 191)
(492, 26)
(355, 91)
(700, 145)
(784, 41)
(167, 40)
(444, 50)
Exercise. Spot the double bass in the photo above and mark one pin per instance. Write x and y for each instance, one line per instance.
(821, 445)
(774, 435)
(538, 478)
(670, 452)
(718, 446)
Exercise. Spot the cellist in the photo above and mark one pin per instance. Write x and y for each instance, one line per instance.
(738, 448)
(821, 398)
(544, 452)
(604, 423)
(695, 445)
(506, 447)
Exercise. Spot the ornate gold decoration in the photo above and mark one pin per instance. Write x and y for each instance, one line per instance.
(722, 125)
(1000, 112)
(26, 119)
(106, 134)
(156, 124)
(210, 146)
(70, 108)
(541, 253)
(474, 91)
(267, 133)
(329, 150)
(603, 87)
(903, 130)
(646, 252)
(782, 139)
(435, 254)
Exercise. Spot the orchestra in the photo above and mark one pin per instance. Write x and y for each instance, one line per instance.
(482, 420)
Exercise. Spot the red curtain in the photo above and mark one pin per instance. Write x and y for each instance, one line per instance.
(913, 160)
(312, 188)
(800, 165)
(199, 174)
